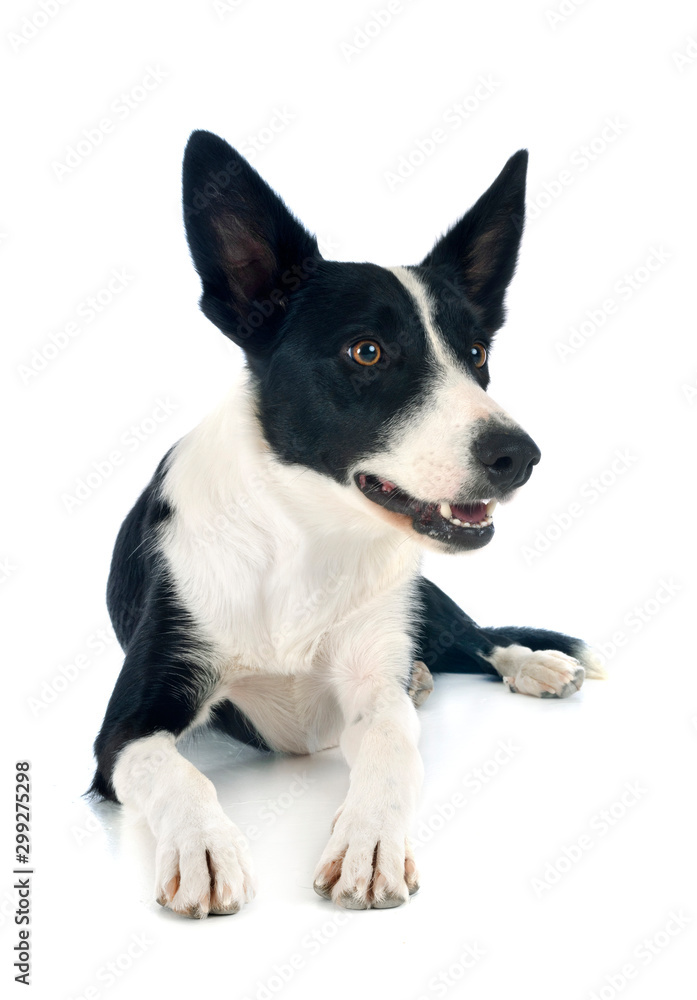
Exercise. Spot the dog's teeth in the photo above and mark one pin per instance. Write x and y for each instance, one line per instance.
(455, 520)
(491, 507)
(445, 511)
(466, 524)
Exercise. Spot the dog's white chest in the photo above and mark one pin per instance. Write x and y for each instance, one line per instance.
(265, 559)
(275, 618)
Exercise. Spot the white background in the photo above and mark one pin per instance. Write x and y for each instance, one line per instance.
(554, 84)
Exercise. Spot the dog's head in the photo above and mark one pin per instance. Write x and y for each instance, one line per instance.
(375, 377)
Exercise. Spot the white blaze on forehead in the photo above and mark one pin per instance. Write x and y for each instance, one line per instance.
(419, 294)
(430, 452)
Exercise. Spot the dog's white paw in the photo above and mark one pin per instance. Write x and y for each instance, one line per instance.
(203, 867)
(542, 673)
(363, 868)
(420, 683)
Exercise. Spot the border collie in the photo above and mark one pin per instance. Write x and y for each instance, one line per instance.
(267, 581)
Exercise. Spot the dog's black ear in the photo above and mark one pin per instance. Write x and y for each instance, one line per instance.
(250, 252)
(481, 250)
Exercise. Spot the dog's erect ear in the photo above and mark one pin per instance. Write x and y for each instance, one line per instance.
(250, 252)
(482, 248)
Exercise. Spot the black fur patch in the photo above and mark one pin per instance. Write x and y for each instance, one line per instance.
(316, 405)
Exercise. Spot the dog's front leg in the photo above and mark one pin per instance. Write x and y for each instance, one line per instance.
(202, 864)
(368, 861)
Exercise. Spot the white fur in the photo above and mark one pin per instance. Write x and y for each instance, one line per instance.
(367, 861)
(201, 861)
(541, 673)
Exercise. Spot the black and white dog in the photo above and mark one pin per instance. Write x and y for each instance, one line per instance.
(267, 581)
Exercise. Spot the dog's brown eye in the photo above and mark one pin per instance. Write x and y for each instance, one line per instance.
(478, 353)
(365, 352)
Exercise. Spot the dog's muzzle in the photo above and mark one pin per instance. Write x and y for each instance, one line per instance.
(502, 460)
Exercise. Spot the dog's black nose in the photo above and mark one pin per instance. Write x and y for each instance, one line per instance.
(507, 457)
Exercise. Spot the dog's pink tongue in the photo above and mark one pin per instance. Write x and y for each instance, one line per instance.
(472, 512)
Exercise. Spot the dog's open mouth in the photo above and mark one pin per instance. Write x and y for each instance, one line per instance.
(467, 526)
